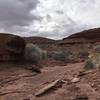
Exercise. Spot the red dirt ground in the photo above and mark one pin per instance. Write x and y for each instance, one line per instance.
(17, 83)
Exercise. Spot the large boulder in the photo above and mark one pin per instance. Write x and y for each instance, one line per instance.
(16, 45)
(11, 47)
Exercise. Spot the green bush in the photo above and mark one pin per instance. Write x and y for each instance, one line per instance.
(33, 53)
(97, 49)
(60, 55)
(83, 54)
(43, 54)
(89, 64)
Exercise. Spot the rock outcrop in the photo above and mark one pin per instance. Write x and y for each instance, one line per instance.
(87, 36)
(16, 45)
(11, 47)
(39, 40)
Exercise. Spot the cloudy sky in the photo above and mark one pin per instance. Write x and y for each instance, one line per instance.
(48, 18)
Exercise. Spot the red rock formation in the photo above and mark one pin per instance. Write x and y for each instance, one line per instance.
(39, 40)
(16, 44)
(11, 47)
(87, 36)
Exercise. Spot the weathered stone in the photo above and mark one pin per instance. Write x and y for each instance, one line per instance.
(81, 97)
(11, 47)
(16, 45)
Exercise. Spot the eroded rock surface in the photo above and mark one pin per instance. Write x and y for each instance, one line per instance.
(11, 47)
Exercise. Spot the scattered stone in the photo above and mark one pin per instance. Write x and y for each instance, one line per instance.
(81, 97)
(75, 80)
(82, 73)
(89, 65)
(36, 69)
(16, 45)
(50, 86)
(26, 99)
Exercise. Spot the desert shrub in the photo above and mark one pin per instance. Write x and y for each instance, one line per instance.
(33, 53)
(96, 60)
(49, 54)
(83, 54)
(43, 54)
(89, 64)
(97, 49)
(43, 46)
(60, 55)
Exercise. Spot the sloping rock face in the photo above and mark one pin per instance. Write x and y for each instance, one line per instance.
(11, 47)
(39, 40)
(87, 36)
(16, 45)
(43, 43)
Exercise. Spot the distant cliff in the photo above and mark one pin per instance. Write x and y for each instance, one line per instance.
(87, 36)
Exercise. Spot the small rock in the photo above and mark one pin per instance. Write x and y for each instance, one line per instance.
(56, 84)
(26, 99)
(92, 85)
(36, 69)
(75, 80)
(81, 97)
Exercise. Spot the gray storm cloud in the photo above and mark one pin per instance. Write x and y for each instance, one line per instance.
(16, 13)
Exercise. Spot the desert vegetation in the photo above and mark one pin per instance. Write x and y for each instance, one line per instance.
(60, 55)
(89, 64)
(83, 54)
(97, 49)
(94, 59)
(33, 53)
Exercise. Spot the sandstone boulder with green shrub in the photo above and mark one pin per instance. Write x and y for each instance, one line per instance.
(33, 53)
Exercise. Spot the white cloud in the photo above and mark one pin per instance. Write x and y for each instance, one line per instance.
(61, 18)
